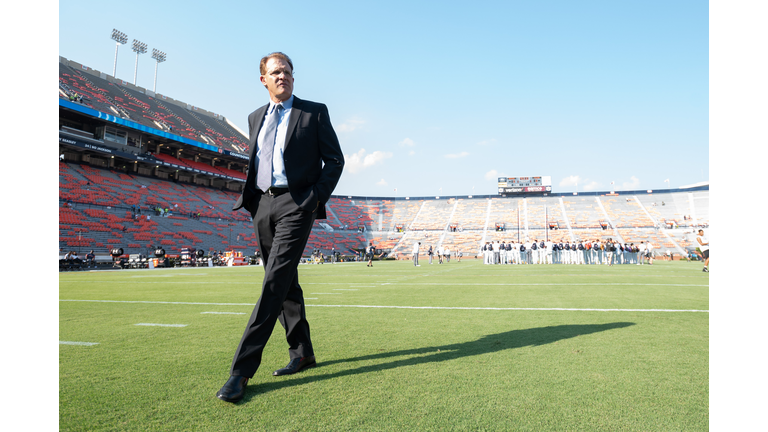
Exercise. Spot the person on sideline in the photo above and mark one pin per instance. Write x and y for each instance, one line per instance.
(703, 243)
(369, 252)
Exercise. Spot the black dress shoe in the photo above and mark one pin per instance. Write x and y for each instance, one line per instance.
(296, 365)
(233, 389)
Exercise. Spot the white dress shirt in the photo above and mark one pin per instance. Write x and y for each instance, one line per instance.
(278, 166)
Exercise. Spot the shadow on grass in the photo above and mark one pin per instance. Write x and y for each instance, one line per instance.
(487, 344)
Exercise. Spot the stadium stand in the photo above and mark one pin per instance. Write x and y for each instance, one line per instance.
(165, 154)
(123, 100)
(96, 214)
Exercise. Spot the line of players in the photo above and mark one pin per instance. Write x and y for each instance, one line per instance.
(578, 252)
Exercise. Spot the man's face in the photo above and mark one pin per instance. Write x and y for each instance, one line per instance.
(278, 80)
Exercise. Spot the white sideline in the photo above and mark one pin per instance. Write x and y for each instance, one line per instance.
(224, 313)
(397, 307)
(514, 309)
(425, 284)
(161, 325)
(78, 343)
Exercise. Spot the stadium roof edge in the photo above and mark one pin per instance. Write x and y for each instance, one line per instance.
(699, 184)
(558, 194)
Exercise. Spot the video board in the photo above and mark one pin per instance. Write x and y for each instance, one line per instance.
(515, 185)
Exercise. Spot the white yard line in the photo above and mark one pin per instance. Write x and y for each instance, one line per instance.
(224, 313)
(161, 325)
(395, 307)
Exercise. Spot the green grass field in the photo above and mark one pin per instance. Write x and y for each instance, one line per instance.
(457, 346)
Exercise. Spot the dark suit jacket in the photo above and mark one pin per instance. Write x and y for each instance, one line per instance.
(312, 156)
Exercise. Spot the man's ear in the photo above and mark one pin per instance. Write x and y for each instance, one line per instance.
(263, 80)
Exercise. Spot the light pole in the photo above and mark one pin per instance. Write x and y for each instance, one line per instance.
(138, 48)
(120, 38)
(159, 56)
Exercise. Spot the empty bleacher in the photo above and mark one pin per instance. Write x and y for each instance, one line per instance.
(582, 212)
(434, 215)
(96, 213)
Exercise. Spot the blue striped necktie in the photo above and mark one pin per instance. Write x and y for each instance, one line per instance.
(264, 174)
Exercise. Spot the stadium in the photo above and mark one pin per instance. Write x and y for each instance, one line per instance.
(142, 172)
(148, 182)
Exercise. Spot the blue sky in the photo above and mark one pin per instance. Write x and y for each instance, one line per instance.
(441, 98)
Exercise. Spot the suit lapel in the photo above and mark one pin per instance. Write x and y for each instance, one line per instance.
(295, 114)
(258, 121)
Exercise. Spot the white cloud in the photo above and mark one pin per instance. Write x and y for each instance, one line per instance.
(633, 184)
(350, 125)
(592, 185)
(576, 181)
(492, 175)
(573, 180)
(411, 153)
(456, 155)
(407, 143)
(358, 161)
(487, 142)
(381, 182)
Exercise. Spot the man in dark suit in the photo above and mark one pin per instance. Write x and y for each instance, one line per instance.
(295, 163)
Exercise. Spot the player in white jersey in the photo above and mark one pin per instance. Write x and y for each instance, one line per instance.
(580, 253)
(548, 247)
(640, 253)
(703, 244)
(487, 253)
(649, 252)
(415, 254)
(542, 248)
(503, 252)
(600, 252)
(515, 253)
(572, 252)
(566, 252)
(596, 252)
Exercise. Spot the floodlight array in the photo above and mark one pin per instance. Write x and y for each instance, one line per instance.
(119, 37)
(158, 55)
(139, 47)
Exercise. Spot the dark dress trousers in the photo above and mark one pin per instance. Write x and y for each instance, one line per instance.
(282, 222)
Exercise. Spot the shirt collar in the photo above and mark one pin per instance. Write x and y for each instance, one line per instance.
(287, 104)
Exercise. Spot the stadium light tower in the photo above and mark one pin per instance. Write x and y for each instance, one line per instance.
(138, 48)
(120, 38)
(159, 56)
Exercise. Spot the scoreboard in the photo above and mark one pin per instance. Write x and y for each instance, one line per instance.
(516, 185)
